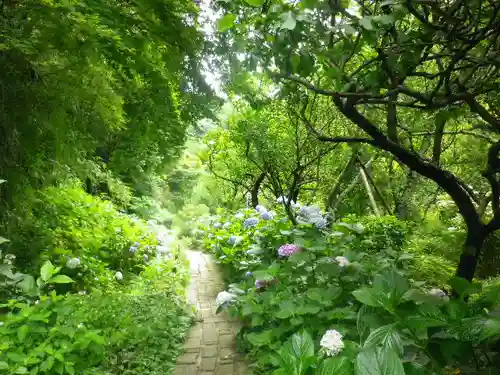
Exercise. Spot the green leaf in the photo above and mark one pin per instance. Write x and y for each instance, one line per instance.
(262, 275)
(366, 23)
(60, 279)
(22, 332)
(21, 370)
(378, 361)
(255, 3)
(27, 285)
(336, 366)
(303, 345)
(16, 357)
(289, 21)
(69, 369)
(387, 336)
(366, 296)
(47, 270)
(4, 365)
(226, 22)
(3, 240)
(260, 338)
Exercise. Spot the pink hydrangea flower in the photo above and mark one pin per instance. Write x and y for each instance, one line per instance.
(288, 249)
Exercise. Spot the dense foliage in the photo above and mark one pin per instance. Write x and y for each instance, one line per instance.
(353, 299)
(381, 117)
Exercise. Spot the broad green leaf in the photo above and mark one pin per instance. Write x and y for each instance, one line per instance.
(47, 270)
(366, 23)
(388, 336)
(22, 332)
(366, 296)
(21, 370)
(289, 21)
(356, 227)
(255, 3)
(16, 357)
(60, 279)
(4, 365)
(379, 361)
(27, 285)
(286, 310)
(226, 22)
(303, 345)
(260, 338)
(262, 275)
(69, 369)
(336, 366)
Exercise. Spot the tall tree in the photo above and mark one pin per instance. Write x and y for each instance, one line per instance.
(381, 63)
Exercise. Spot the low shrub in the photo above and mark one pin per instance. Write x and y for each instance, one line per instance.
(85, 235)
(346, 299)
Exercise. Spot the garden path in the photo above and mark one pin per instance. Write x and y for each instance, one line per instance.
(210, 345)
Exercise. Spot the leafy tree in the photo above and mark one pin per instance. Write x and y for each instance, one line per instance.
(403, 73)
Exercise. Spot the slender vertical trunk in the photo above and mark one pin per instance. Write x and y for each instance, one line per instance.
(472, 249)
(369, 192)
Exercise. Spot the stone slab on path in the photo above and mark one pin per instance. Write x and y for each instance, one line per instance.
(210, 348)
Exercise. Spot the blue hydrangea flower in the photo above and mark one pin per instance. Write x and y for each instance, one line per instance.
(259, 208)
(145, 257)
(234, 240)
(249, 274)
(216, 225)
(226, 225)
(250, 222)
(266, 215)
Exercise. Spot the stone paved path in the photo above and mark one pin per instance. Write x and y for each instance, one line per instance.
(210, 345)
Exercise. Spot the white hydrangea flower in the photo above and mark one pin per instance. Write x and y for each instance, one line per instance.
(342, 261)
(452, 229)
(9, 259)
(436, 292)
(119, 276)
(1, 324)
(224, 298)
(240, 216)
(331, 342)
(73, 263)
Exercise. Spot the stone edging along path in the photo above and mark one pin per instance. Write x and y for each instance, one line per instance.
(210, 348)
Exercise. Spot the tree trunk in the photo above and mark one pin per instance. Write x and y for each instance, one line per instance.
(369, 192)
(256, 189)
(470, 255)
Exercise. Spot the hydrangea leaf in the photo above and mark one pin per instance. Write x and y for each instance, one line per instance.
(255, 3)
(337, 366)
(289, 21)
(226, 22)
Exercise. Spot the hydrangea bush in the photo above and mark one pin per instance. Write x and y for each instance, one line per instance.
(346, 300)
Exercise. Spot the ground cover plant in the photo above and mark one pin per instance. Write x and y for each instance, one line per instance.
(341, 299)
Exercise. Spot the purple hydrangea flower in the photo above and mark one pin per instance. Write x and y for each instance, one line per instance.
(287, 250)
(259, 284)
(266, 215)
(136, 244)
(145, 257)
(250, 222)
